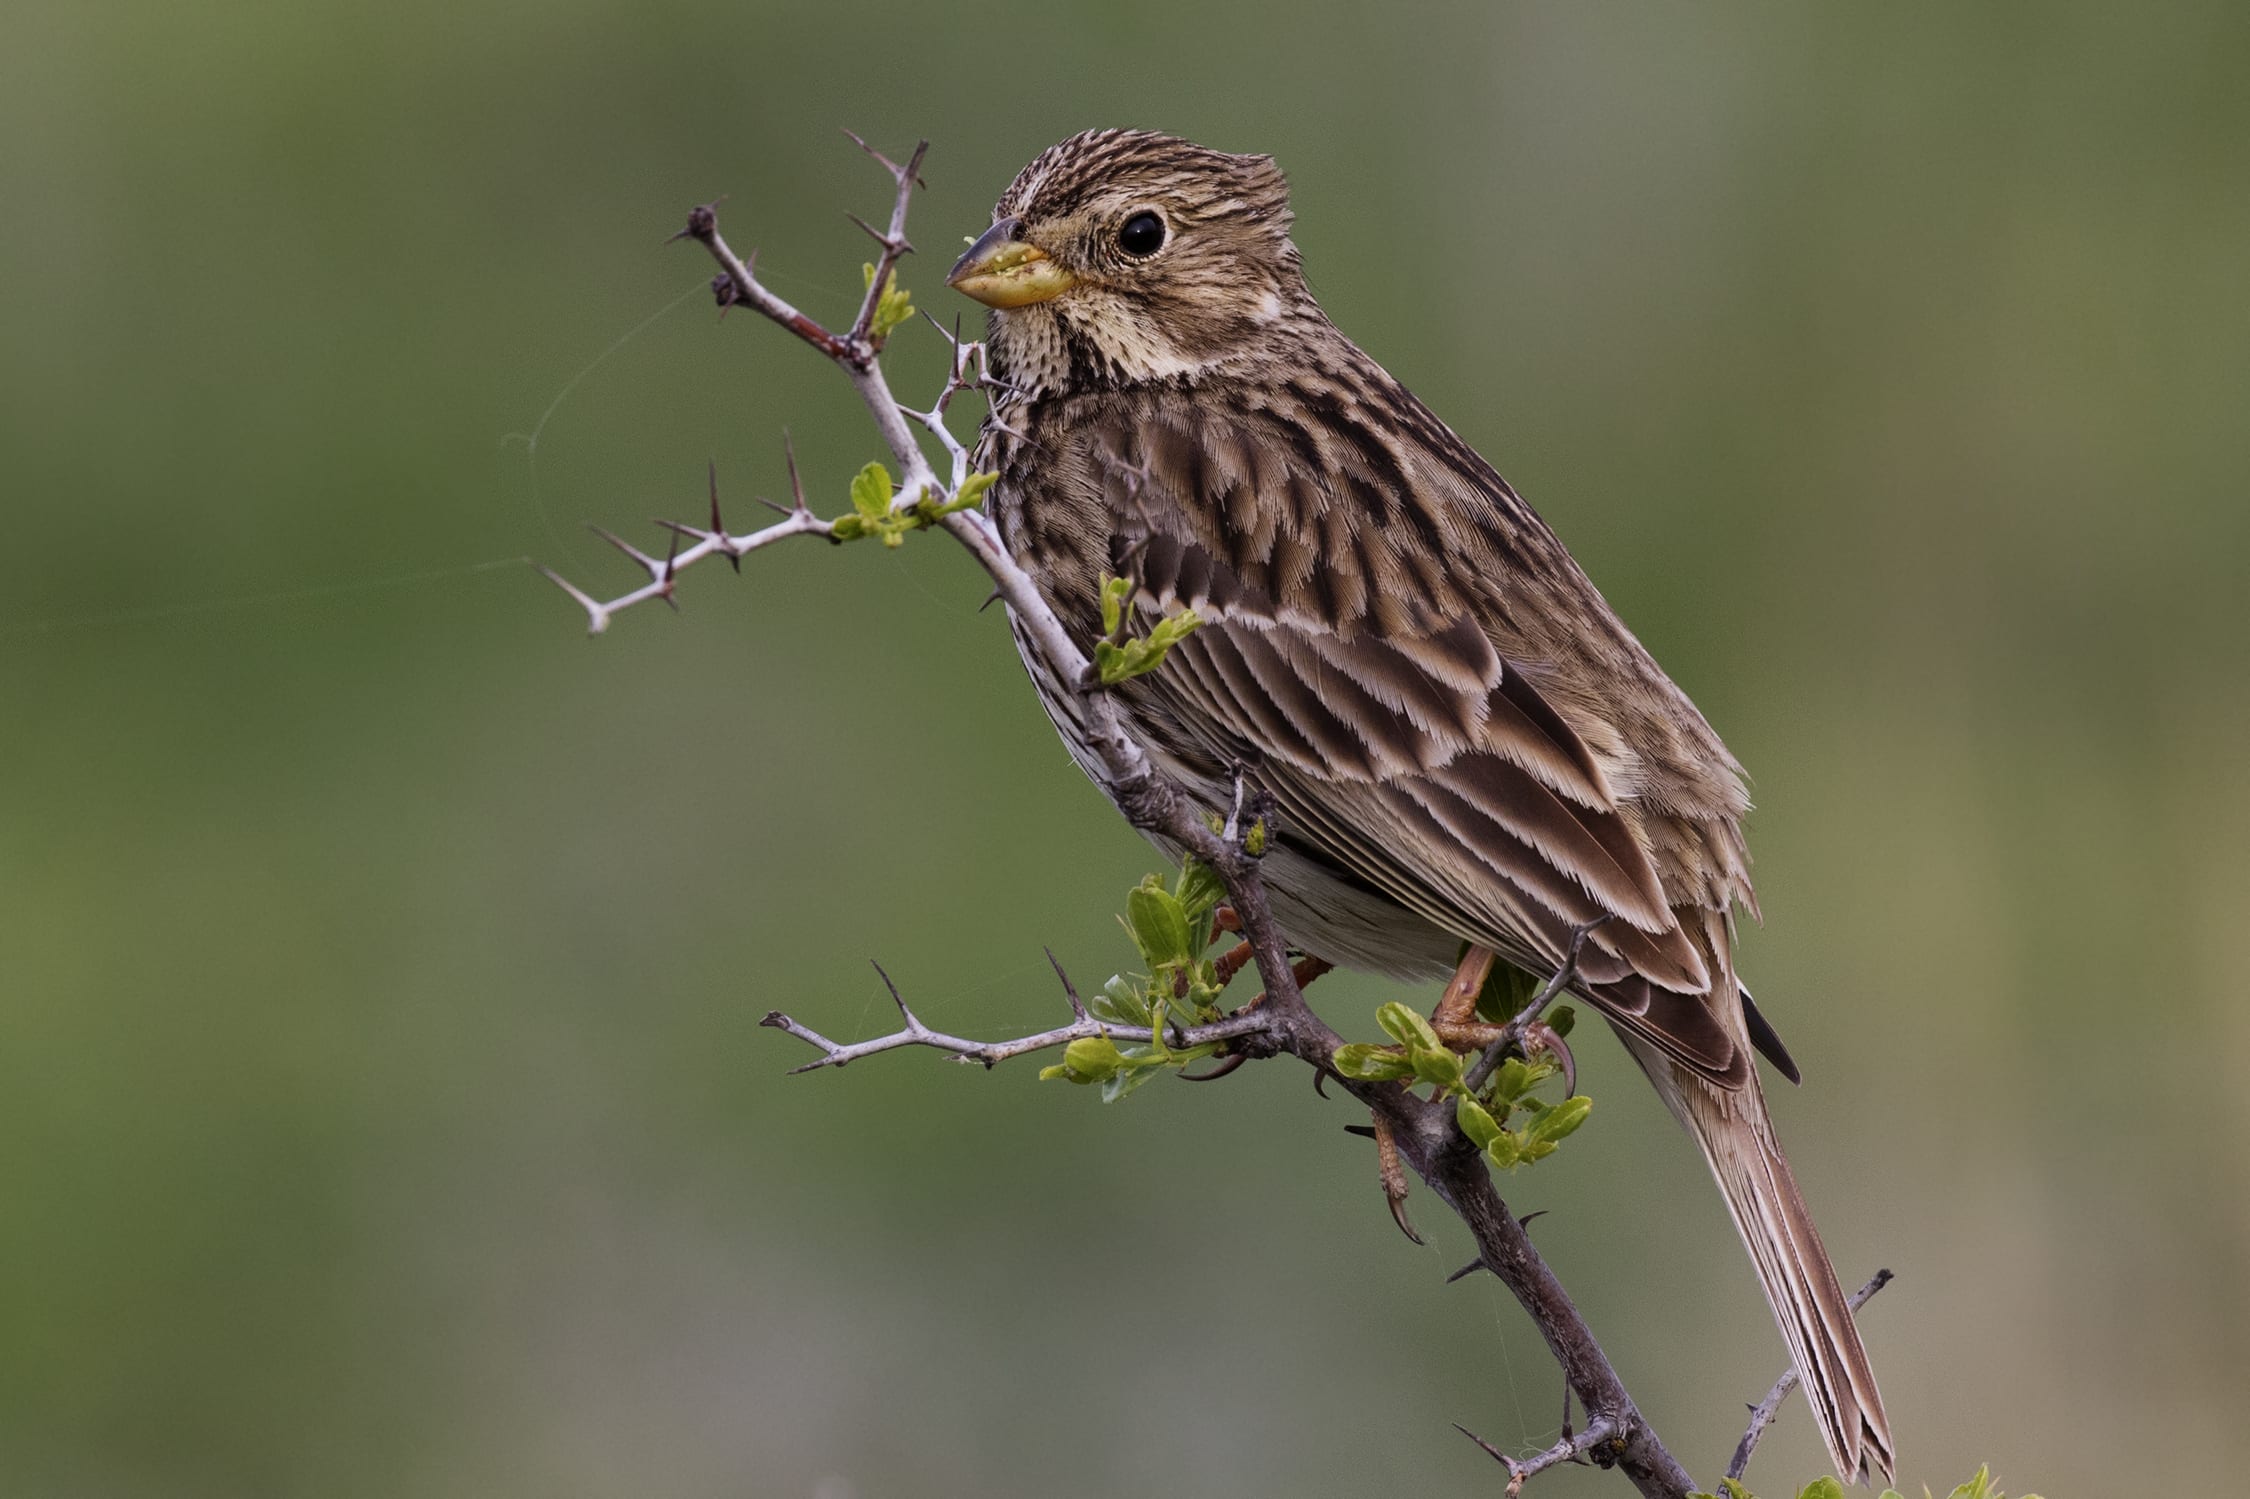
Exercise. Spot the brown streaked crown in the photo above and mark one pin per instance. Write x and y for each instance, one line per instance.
(1098, 164)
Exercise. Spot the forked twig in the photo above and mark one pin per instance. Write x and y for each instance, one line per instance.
(1571, 1449)
(1082, 1027)
(1511, 1037)
(664, 574)
(893, 240)
(1762, 1414)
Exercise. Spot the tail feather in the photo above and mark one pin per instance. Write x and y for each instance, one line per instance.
(1809, 1305)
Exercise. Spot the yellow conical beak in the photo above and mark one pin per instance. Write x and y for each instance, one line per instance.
(1001, 270)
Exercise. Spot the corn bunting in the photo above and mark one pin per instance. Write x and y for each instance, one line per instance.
(1463, 743)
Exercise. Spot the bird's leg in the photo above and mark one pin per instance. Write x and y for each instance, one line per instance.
(1230, 962)
(1455, 1018)
(1390, 1169)
(1304, 971)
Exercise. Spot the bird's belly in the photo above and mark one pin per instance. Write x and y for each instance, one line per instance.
(1350, 925)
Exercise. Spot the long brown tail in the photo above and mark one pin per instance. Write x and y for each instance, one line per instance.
(1737, 1138)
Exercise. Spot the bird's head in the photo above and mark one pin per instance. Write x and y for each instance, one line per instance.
(1121, 257)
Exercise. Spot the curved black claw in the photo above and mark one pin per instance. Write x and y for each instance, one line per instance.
(1540, 1036)
(1405, 1224)
(1390, 1169)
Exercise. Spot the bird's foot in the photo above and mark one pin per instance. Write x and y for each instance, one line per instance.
(1456, 1022)
(1539, 1036)
(1231, 962)
(1457, 1006)
(1390, 1169)
(1455, 1018)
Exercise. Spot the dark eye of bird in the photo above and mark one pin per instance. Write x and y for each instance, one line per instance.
(1142, 236)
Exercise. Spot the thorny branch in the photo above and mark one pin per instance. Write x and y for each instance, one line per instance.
(894, 241)
(990, 1053)
(1423, 1130)
(1762, 1414)
(1526, 1022)
(1571, 1449)
(663, 572)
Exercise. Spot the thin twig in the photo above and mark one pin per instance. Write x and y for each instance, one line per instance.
(1762, 1414)
(663, 575)
(990, 1053)
(1512, 1034)
(893, 241)
(1571, 1449)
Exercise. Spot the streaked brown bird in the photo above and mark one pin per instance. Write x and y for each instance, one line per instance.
(1463, 743)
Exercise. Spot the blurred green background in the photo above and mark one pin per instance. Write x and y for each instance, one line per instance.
(382, 1105)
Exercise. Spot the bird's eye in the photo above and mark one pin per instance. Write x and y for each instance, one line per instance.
(1142, 235)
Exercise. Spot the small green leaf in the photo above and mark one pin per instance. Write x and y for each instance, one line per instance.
(1159, 924)
(1822, 1488)
(1560, 1019)
(1441, 1068)
(893, 307)
(1511, 1082)
(871, 492)
(1478, 1125)
(1115, 591)
(1555, 1124)
(1123, 1081)
(1172, 629)
(929, 510)
(1366, 1063)
(1119, 663)
(972, 491)
(1199, 888)
(1089, 1059)
(1121, 1003)
(1093, 1056)
(1117, 658)
(1407, 1028)
(1503, 1151)
(1200, 892)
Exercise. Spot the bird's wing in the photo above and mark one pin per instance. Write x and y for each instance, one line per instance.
(1349, 663)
